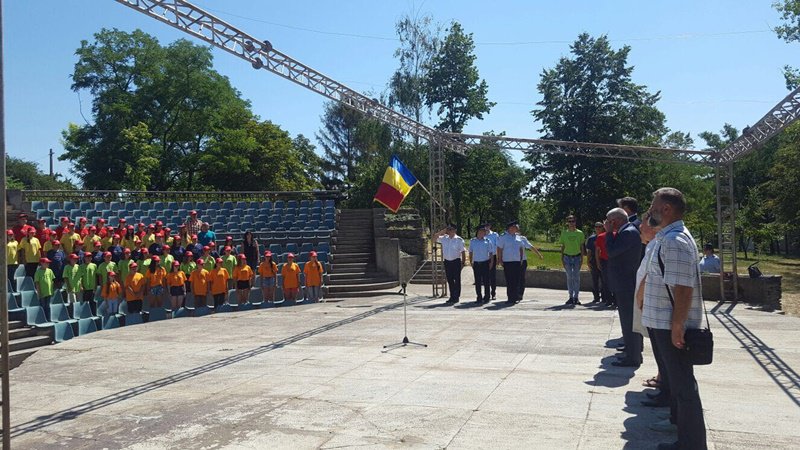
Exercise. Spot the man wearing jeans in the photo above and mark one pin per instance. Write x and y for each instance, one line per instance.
(669, 318)
(572, 251)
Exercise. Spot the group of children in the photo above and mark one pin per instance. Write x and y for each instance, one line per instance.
(146, 264)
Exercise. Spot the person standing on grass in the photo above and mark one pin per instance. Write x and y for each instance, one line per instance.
(268, 273)
(291, 278)
(218, 278)
(572, 251)
(44, 283)
(111, 293)
(526, 245)
(198, 280)
(244, 277)
(592, 260)
(134, 289)
(314, 271)
(454, 254)
(176, 282)
(481, 255)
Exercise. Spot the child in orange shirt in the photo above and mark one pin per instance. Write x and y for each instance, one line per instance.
(313, 271)
(176, 282)
(111, 293)
(218, 279)
(243, 275)
(198, 279)
(156, 279)
(268, 271)
(291, 278)
(134, 289)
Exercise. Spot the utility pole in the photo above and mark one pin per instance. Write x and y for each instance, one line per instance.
(51, 163)
(4, 364)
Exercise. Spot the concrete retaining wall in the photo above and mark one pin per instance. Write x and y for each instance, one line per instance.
(387, 256)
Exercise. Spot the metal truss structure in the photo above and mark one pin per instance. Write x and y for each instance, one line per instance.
(261, 55)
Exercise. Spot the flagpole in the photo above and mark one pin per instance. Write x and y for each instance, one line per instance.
(429, 195)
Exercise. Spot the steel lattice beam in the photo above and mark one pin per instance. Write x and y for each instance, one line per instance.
(260, 54)
(782, 115)
(702, 157)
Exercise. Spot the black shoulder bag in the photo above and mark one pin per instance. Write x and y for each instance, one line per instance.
(699, 341)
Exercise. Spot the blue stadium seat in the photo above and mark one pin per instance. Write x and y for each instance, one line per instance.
(202, 311)
(291, 204)
(329, 203)
(28, 298)
(210, 214)
(74, 214)
(182, 213)
(113, 221)
(51, 206)
(20, 272)
(151, 214)
(133, 319)
(89, 213)
(100, 205)
(305, 203)
(35, 317)
(181, 312)
(38, 204)
(85, 206)
(13, 305)
(202, 206)
(241, 205)
(279, 204)
(303, 257)
(110, 322)
(157, 314)
(169, 212)
(63, 331)
(254, 205)
(86, 326)
(266, 205)
(144, 206)
(322, 256)
(130, 206)
(306, 247)
(115, 206)
(172, 205)
(259, 226)
(292, 248)
(187, 205)
(158, 205)
(227, 205)
(323, 247)
(316, 204)
(69, 205)
(59, 213)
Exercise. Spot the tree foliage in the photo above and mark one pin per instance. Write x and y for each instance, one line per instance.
(21, 174)
(590, 96)
(789, 31)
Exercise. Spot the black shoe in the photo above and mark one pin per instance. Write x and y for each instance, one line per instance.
(494, 297)
(668, 446)
(569, 302)
(624, 363)
(451, 301)
(576, 301)
(510, 302)
(597, 300)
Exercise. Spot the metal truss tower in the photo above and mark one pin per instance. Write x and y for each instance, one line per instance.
(436, 172)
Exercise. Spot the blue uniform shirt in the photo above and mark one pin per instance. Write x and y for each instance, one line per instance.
(511, 245)
(481, 249)
(492, 237)
(526, 245)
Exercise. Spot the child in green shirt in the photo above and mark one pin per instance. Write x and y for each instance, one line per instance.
(88, 273)
(72, 278)
(44, 280)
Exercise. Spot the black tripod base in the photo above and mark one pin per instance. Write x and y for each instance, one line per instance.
(404, 343)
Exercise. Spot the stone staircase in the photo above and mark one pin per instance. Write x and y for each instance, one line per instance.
(352, 269)
(23, 341)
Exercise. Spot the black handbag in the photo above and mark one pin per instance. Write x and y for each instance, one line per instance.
(699, 342)
(753, 270)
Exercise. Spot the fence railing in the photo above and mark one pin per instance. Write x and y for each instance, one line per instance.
(176, 196)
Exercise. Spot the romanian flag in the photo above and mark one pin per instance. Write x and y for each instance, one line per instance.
(397, 183)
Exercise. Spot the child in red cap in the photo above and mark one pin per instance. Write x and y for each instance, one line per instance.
(111, 293)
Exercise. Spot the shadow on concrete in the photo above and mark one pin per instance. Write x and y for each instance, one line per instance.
(611, 376)
(559, 307)
(499, 305)
(781, 373)
(467, 305)
(438, 305)
(614, 343)
(94, 405)
(637, 434)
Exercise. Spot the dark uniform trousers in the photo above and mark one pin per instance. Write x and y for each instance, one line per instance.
(608, 297)
(523, 269)
(481, 272)
(512, 269)
(493, 276)
(452, 271)
(596, 282)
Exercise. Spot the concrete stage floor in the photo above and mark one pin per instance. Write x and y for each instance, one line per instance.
(533, 375)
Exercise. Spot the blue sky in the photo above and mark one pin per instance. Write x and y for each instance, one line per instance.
(713, 61)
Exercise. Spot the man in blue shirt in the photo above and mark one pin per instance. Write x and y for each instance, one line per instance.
(708, 264)
(492, 236)
(509, 255)
(206, 236)
(481, 251)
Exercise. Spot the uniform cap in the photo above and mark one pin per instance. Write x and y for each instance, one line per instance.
(151, 227)
(116, 236)
(165, 247)
(193, 213)
(101, 220)
(73, 256)
(242, 256)
(133, 265)
(312, 253)
(97, 243)
(156, 258)
(127, 251)
(122, 220)
(56, 242)
(159, 223)
(200, 262)
(92, 228)
(112, 274)
(194, 237)
(227, 248)
(42, 221)
(219, 260)
(82, 220)
(44, 260)
(206, 248)
(212, 244)
(598, 224)
(188, 254)
(175, 263)
(145, 251)
(106, 254)
(290, 255)
(31, 230)
(167, 230)
(130, 227)
(87, 255)
(78, 242)
(268, 253)
(513, 223)
(177, 238)
(63, 219)
(9, 232)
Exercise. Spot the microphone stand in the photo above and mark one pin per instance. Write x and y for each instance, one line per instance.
(405, 342)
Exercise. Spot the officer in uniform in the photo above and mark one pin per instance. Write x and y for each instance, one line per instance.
(481, 253)
(492, 236)
(526, 245)
(509, 255)
(454, 253)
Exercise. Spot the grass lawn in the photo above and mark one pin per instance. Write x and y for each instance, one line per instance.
(788, 268)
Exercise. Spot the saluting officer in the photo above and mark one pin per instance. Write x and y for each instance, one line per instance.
(492, 236)
(509, 255)
(481, 252)
(454, 254)
(526, 245)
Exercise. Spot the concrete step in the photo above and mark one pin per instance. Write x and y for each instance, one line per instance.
(363, 294)
(341, 277)
(364, 280)
(351, 268)
(15, 324)
(353, 258)
(350, 288)
(20, 333)
(16, 358)
(29, 342)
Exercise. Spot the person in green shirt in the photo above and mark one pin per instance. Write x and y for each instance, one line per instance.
(166, 259)
(88, 273)
(123, 267)
(44, 281)
(105, 267)
(229, 263)
(144, 263)
(187, 267)
(72, 278)
(572, 251)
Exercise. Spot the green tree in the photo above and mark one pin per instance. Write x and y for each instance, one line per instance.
(784, 183)
(348, 138)
(21, 174)
(452, 82)
(590, 96)
(789, 31)
(148, 97)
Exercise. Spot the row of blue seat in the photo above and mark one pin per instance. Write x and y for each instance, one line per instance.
(181, 214)
(130, 206)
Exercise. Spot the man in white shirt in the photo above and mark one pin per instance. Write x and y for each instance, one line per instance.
(492, 236)
(526, 245)
(455, 256)
(673, 302)
(710, 262)
(481, 251)
(509, 255)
